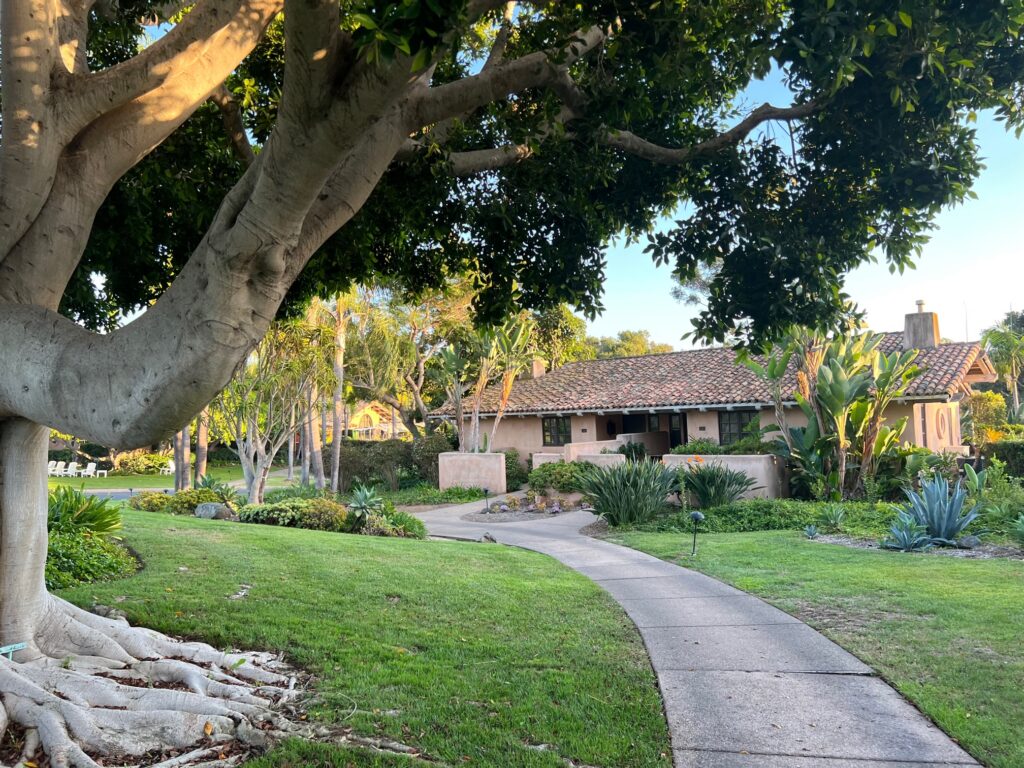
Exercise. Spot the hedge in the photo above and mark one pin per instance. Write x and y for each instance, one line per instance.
(748, 515)
(1011, 452)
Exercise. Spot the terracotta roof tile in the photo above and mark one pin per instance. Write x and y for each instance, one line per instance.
(696, 377)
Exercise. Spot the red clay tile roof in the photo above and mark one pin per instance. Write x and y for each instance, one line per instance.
(694, 378)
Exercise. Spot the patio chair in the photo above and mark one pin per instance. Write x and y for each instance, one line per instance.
(89, 471)
(169, 469)
(50, 466)
(71, 470)
(58, 469)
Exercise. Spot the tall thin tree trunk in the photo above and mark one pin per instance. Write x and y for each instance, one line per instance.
(291, 446)
(336, 419)
(202, 445)
(316, 456)
(304, 442)
(23, 538)
(323, 426)
(182, 459)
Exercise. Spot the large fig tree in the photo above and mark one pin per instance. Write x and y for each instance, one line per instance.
(412, 139)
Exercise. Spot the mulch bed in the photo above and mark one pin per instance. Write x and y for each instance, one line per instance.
(983, 552)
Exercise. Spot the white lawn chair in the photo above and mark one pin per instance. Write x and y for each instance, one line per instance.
(58, 469)
(71, 470)
(89, 471)
(50, 466)
(169, 469)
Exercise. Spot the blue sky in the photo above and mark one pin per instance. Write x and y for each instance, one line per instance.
(970, 273)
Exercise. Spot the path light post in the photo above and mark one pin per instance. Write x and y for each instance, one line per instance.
(697, 517)
(487, 501)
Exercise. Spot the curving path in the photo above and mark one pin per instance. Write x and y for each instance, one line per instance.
(744, 684)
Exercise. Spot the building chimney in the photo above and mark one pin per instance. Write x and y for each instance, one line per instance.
(537, 368)
(921, 329)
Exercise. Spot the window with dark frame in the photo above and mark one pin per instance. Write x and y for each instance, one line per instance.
(557, 430)
(732, 425)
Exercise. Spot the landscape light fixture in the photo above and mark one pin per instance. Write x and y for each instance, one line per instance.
(697, 517)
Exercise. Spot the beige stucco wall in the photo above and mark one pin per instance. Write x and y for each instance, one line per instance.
(574, 450)
(767, 472)
(702, 425)
(935, 426)
(526, 434)
(472, 470)
(590, 431)
(602, 459)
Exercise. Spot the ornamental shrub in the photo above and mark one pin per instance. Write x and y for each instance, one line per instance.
(140, 463)
(185, 502)
(286, 512)
(77, 557)
(628, 493)
(633, 451)
(317, 514)
(150, 501)
(866, 519)
(700, 447)
(515, 473)
(71, 510)
(323, 515)
(1011, 452)
(402, 523)
(564, 477)
(424, 454)
(713, 484)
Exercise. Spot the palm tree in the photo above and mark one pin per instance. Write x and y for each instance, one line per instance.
(1006, 348)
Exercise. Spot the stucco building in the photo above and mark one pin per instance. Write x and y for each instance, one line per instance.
(668, 399)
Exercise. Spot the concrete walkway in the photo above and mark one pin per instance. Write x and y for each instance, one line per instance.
(744, 684)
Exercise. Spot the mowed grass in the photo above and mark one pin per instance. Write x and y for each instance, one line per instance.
(141, 482)
(475, 653)
(947, 632)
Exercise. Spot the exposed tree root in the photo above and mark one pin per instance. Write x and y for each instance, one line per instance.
(93, 691)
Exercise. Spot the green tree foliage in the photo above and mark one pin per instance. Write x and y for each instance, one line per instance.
(625, 344)
(1005, 346)
(559, 336)
(878, 140)
(844, 384)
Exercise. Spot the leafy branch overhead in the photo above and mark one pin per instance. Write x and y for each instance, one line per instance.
(640, 105)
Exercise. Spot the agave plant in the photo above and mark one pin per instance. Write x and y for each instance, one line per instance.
(628, 493)
(811, 531)
(907, 535)
(74, 510)
(224, 491)
(713, 484)
(939, 510)
(831, 517)
(365, 501)
(1017, 530)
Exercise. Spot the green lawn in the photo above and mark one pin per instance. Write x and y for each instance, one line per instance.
(471, 652)
(947, 632)
(225, 474)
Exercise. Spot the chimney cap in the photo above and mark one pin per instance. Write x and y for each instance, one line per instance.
(920, 305)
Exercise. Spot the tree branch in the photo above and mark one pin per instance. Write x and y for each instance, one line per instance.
(533, 70)
(180, 55)
(634, 145)
(231, 117)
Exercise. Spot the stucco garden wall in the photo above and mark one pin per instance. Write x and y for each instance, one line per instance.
(472, 470)
(767, 472)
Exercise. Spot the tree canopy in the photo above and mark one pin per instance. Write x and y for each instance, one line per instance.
(641, 115)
